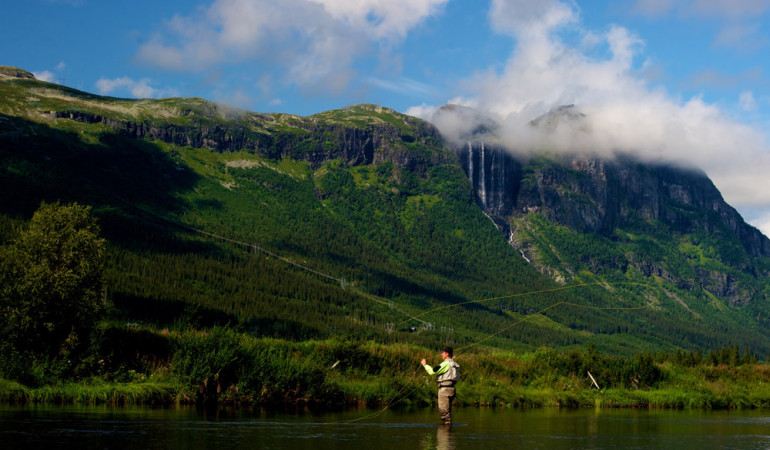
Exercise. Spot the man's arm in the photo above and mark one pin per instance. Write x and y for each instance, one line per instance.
(441, 369)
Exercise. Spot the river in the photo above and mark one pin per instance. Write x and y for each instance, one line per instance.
(104, 427)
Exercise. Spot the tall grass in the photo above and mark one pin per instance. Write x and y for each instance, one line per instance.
(223, 365)
(13, 392)
(106, 393)
(94, 393)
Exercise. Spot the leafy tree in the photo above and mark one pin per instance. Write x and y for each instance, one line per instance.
(50, 287)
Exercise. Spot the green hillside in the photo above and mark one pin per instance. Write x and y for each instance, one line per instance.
(357, 223)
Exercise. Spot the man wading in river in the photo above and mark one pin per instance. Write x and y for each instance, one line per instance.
(448, 374)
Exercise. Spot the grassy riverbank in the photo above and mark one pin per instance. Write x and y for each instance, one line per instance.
(145, 366)
(94, 391)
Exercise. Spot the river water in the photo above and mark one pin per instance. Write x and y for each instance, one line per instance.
(106, 427)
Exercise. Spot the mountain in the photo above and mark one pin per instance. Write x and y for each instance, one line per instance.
(615, 200)
(365, 223)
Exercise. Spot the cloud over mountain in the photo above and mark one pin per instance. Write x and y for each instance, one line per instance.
(604, 76)
(138, 88)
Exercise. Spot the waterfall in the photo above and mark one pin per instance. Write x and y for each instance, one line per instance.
(470, 162)
(492, 178)
(500, 189)
(512, 242)
(483, 179)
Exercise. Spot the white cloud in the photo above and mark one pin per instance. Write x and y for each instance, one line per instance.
(45, 75)
(761, 221)
(747, 101)
(382, 19)
(314, 43)
(744, 36)
(402, 85)
(736, 20)
(622, 111)
(525, 17)
(719, 80)
(238, 98)
(137, 88)
(298, 36)
(423, 111)
(50, 76)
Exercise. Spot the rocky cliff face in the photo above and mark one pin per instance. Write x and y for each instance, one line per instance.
(15, 72)
(495, 175)
(302, 138)
(590, 195)
(586, 195)
(597, 196)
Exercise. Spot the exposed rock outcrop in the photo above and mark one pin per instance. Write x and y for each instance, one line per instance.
(592, 195)
(15, 72)
(316, 142)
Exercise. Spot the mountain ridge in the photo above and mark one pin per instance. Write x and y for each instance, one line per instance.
(589, 194)
(381, 200)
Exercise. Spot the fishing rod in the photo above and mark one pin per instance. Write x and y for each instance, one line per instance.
(398, 397)
(411, 317)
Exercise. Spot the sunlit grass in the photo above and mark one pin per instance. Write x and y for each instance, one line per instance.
(92, 391)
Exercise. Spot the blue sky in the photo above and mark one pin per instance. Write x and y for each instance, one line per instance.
(680, 80)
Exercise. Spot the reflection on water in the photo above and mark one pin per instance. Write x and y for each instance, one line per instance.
(189, 428)
(442, 439)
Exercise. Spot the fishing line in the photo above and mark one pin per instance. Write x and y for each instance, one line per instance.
(400, 395)
(542, 291)
(395, 399)
(258, 248)
(343, 284)
(576, 305)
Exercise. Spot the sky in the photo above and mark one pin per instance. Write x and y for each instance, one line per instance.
(680, 81)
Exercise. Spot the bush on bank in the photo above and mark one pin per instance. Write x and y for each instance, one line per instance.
(131, 364)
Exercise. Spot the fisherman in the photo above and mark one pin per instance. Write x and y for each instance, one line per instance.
(447, 375)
